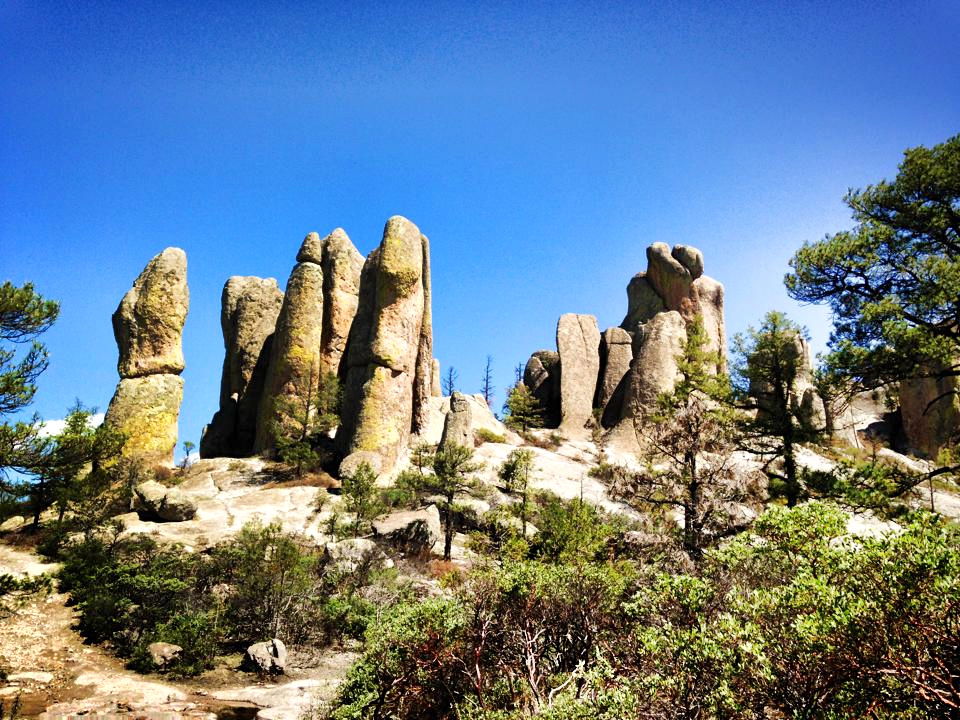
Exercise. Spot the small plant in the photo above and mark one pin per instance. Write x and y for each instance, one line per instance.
(485, 435)
(359, 494)
(522, 410)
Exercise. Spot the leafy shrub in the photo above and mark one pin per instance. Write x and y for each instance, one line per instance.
(261, 584)
(793, 619)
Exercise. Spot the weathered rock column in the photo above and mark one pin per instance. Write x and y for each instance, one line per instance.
(387, 348)
(578, 342)
(148, 327)
(248, 317)
(458, 423)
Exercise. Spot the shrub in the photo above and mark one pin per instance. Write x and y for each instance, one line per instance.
(485, 435)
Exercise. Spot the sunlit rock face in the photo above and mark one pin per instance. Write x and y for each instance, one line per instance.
(148, 327)
(389, 358)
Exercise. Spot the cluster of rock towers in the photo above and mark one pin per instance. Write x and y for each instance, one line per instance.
(617, 375)
(367, 321)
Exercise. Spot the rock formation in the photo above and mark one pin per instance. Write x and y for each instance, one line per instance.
(249, 309)
(342, 264)
(616, 353)
(312, 328)
(389, 358)
(578, 343)
(148, 327)
(458, 424)
(657, 343)
(295, 371)
(542, 376)
(636, 362)
(805, 403)
(930, 413)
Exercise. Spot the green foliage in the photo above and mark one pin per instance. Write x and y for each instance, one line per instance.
(359, 493)
(24, 315)
(453, 472)
(687, 446)
(261, 584)
(484, 435)
(892, 281)
(793, 619)
(769, 363)
(15, 591)
(515, 474)
(304, 421)
(573, 530)
(522, 410)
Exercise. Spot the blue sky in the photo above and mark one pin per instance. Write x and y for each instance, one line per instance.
(541, 146)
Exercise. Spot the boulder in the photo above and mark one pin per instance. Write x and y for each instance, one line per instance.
(349, 465)
(690, 258)
(249, 310)
(295, 369)
(148, 323)
(930, 412)
(616, 354)
(668, 277)
(146, 409)
(162, 503)
(163, 653)
(413, 531)
(385, 360)
(148, 497)
(458, 424)
(177, 507)
(707, 295)
(642, 302)
(541, 375)
(268, 657)
(578, 342)
(342, 264)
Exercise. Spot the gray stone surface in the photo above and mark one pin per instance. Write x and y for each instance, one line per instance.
(458, 424)
(578, 342)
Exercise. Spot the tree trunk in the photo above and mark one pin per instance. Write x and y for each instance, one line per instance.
(448, 530)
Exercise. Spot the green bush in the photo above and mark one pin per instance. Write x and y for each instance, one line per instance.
(261, 584)
(485, 435)
(794, 619)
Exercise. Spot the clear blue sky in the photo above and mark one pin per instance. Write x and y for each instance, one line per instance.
(541, 146)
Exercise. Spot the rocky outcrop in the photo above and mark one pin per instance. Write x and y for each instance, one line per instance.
(542, 377)
(294, 371)
(578, 343)
(312, 329)
(157, 502)
(616, 354)
(148, 327)
(389, 359)
(930, 413)
(805, 403)
(458, 424)
(342, 264)
(636, 362)
(249, 310)
(148, 323)
(654, 369)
